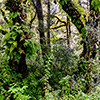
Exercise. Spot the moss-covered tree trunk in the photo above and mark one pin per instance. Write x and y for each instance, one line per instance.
(89, 48)
(14, 6)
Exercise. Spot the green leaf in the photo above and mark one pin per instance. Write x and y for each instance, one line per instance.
(96, 5)
(65, 1)
(6, 36)
(0, 27)
(3, 30)
(11, 42)
(62, 2)
(1, 97)
(12, 48)
(19, 31)
(15, 44)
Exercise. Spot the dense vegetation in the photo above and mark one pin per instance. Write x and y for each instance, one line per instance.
(50, 50)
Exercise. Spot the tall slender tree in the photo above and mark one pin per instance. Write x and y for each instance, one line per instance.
(68, 31)
(48, 24)
(38, 7)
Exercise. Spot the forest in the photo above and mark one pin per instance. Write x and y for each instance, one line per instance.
(49, 49)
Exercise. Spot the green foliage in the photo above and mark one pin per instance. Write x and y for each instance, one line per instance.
(13, 15)
(48, 77)
(10, 41)
(4, 31)
(64, 56)
(63, 2)
(9, 87)
(31, 47)
(61, 75)
(96, 5)
(18, 92)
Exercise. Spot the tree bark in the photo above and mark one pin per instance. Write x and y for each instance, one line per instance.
(38, 8)
(48, 29)
(20, 66)
(89, 47)
(69, 7)
(68, 31)
(75, 16)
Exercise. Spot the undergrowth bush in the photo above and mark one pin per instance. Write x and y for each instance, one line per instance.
(46, 79)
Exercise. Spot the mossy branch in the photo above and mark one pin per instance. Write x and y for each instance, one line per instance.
(32, 20)
(59, 19)
(64, 23)
(56, 27)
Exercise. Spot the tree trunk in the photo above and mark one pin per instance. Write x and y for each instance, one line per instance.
(89, 47)
(38, 8)
(68, 31)
(69, 7)
(48, 29)
(20, 66)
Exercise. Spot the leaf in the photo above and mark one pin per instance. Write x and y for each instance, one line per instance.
(4, 31)
(15, 44)
(6, 37)
(0, 27)
(62, 3)
(65, 1)
(96, 5)
(19, 31)
(80, 35)
(2, 97)
(12, 48)
(10, 42)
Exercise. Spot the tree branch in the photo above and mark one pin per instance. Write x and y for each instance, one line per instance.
(34, 4)
(59, 19)
(32, 20)
(56, 27)
(69, 7)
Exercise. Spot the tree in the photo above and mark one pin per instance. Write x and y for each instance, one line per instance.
(88, 37)
(15, 39)
(55, 73)
(38, 8)
(48, 29)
